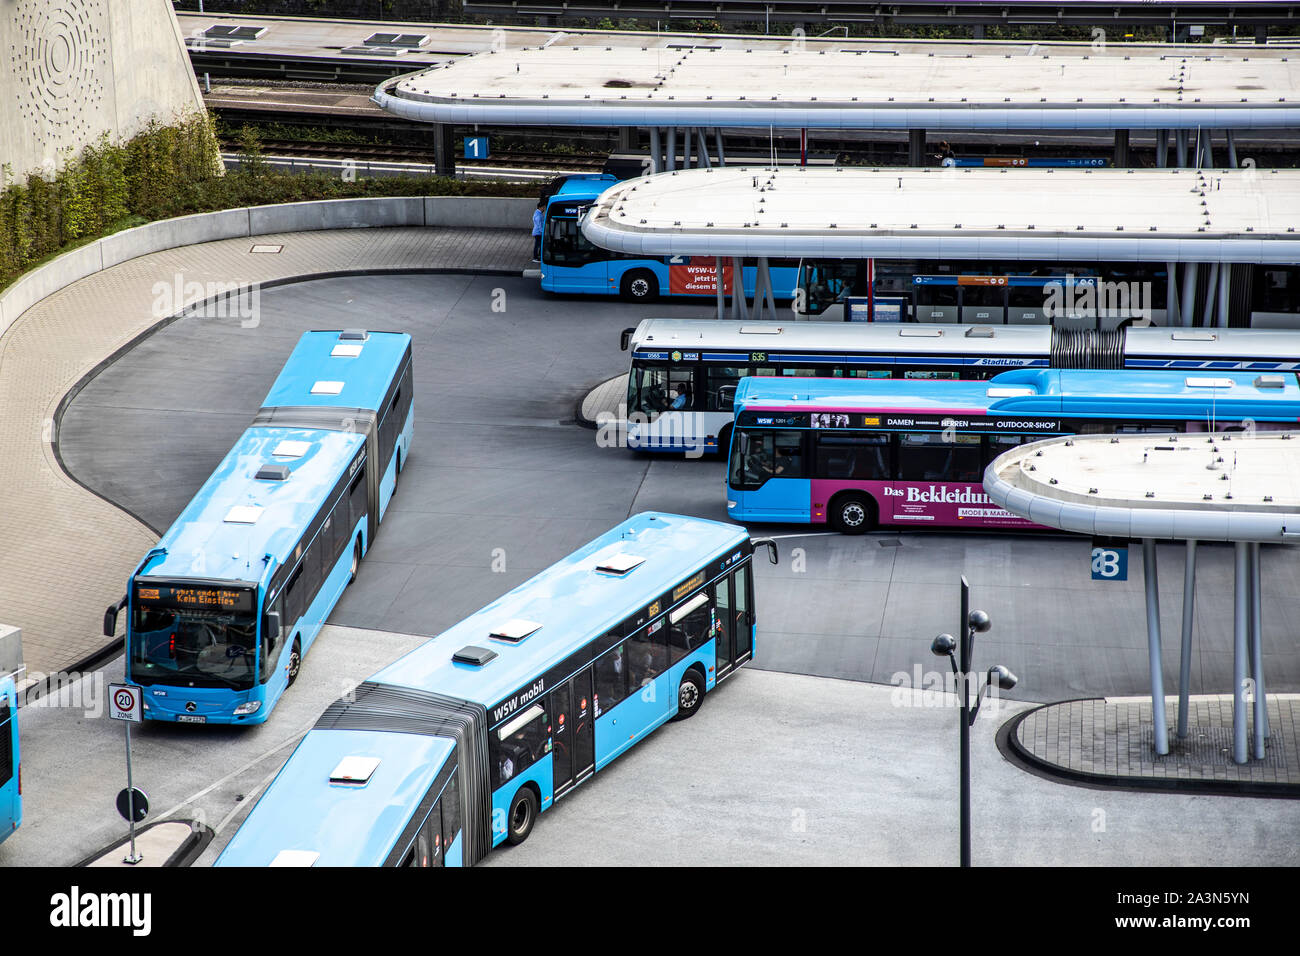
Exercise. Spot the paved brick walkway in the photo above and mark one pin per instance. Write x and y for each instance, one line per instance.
(1112, 742)
(65, 554)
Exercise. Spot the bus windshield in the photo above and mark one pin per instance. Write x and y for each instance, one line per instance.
(184, 635)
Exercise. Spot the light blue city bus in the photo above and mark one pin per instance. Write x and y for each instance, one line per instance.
(460, 745)
(861, 453)
(11, 772)
(570, 263)
(221, 611)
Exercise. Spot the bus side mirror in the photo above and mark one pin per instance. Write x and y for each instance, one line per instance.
(271, 629)
(625, 339)
(110, 617)
(772, 554)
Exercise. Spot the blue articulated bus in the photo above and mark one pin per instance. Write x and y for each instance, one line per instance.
(222, 610)
(570, 263)
(11, 773)
(459, 746)
(859, 453)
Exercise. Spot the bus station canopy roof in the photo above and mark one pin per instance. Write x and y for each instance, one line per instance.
(1240, 486)
(1147, 215)
(737, 82)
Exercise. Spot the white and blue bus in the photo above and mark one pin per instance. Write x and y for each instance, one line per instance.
(459, 746)
(570, 263)
(681, 385)
(11, 773)
(222, 610)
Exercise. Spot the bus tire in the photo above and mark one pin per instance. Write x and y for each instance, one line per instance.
(640, 286)
(295, 661)
(522, 816)
(853, 514)
(356, 560)
(690, 695)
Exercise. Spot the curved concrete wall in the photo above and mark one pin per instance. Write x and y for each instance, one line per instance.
(486, 212)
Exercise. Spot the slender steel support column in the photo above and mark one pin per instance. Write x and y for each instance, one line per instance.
(763, 281)
(1240, 614)
(656, 151)
(717, 138)
(1232, 150)
(672, 148)
(1162, 148)
(1172, 315)
(703, 141)
(1185, 662)
(1257, 651)
(1208, 317)
(627, 138)
(739, 307)
(1207, 148)
(718, 277)
(1153, 645)
(688, 144)
(916, 147)
(1121, 148)
(1180, 147)
(1188, 303)
(444, 149)
(1225, 278)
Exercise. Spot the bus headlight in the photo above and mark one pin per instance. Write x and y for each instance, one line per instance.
(248, 707)
(730, 505)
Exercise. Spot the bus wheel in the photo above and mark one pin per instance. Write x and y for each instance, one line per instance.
(852, 514)
(690, 694)
(295, 661)
(356, 560)
(640, 286)
(523, 814)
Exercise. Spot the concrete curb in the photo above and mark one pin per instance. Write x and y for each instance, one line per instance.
(1016, 753)
(429, 211)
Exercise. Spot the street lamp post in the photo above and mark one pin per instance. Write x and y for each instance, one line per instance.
(972, 623)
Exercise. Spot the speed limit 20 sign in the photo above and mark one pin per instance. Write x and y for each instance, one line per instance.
(124, 702)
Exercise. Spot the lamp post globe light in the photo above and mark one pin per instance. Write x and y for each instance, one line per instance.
(945, 645)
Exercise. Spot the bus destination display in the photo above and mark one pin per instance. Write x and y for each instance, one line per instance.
(198, 598)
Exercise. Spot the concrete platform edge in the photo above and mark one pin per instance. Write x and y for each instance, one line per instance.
(1016, 753)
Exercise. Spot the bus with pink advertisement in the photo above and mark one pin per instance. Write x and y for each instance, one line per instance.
(858, 454)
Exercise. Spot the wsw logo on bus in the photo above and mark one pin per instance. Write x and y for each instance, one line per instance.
(939, 494)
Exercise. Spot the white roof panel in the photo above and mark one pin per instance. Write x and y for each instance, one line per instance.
(1237, 215)
(859, 85)
(1226, 487)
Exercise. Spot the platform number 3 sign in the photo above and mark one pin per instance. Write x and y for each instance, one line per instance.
(1109, 560)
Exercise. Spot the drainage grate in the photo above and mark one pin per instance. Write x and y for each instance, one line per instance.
(890, 542)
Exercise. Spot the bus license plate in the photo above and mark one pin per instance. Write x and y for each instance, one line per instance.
(191, 719)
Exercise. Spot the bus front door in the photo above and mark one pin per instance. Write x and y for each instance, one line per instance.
(734, 627)
(574, 753)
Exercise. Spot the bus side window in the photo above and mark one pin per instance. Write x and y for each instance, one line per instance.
(611, 679)
(689, 627)
(520, 749)
(293, 603)
(450, 800)
(647, 656)
(357, 497)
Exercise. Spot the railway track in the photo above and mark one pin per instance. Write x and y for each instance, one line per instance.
(384, 153)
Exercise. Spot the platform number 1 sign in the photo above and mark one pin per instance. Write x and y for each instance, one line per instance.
(1109, 560)
(476, 147)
